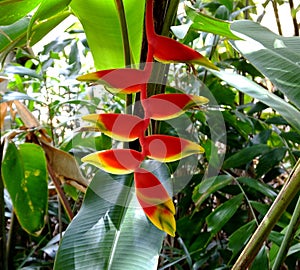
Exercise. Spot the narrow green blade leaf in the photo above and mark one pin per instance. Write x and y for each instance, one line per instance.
(245, 155)
(111, 231)
(102, 27)
(240, 237)
(24, 172)
(243, 84)
(258, 186)
(261, 261)
(222, 214)
(275, 56)
(208, 186)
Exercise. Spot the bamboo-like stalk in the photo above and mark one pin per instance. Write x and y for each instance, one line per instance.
(288, 237)
(287, 193)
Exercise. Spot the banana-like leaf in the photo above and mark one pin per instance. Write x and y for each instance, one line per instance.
(168, 148)
(111, 230)
(13, 10)
(275, 56)
(101, 23)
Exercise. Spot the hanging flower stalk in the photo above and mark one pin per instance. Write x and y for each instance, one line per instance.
(151, 194)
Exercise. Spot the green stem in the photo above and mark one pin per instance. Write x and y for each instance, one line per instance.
(126, 47)
(3, 250)
(288, 237)
(287, 193)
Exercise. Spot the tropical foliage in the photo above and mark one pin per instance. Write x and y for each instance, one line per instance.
(191, 158)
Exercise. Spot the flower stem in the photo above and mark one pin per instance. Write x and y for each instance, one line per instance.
(287, 193)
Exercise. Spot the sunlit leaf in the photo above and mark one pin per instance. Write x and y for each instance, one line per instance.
(11, 11)
(155, 201)
(24, 172)
(168, 106)
(122, 127)
(203, 22)
(115, 161)
(101, 24)
(168, 148)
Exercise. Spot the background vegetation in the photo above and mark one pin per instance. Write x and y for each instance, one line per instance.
(250, 132)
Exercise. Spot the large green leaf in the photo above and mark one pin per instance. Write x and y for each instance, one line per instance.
(275, 56)
(15, 35)
(24, 172)
(13, 10)
(101, 24)
(243, 84)
(111, 231)
(205, 23)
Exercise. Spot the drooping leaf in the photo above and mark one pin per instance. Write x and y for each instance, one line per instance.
(101, 24)
(64, 164)
(275, 56)
(208, 186)
(116, 161)
(222, 214)
(168, 148)
(245, 155)
(111, 230)
(168, 106)
(122, 127)
(24, 172)
(155, 201)
(123, 80)
(12, 95)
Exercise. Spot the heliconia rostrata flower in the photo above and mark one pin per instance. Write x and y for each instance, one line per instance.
(151, 194)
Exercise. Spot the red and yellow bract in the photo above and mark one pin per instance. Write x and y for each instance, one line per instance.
(121, 127)
(168, 106)
(115, 161)
(123, 80)
(168, 148)
(155, 201)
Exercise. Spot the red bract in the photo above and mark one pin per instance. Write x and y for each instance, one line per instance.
(167, 50)
(115, 161)
(168, 106)
(123, 80)
(122, 127)
(168, 148)
(155, 201)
